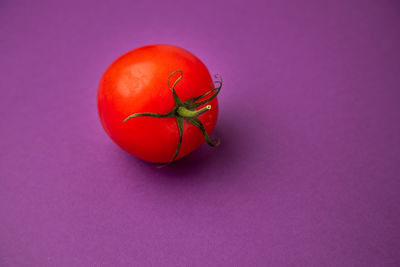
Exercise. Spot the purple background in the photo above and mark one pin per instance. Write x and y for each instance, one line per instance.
(308, 170)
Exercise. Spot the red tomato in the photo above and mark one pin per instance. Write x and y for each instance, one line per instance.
(136, 87)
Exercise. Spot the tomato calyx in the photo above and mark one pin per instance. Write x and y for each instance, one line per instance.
(187, 111)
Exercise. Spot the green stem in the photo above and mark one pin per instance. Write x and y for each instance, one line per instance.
(186, 113)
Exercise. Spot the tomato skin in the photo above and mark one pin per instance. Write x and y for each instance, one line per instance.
(137, 82)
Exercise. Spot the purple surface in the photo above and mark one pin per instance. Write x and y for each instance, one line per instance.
(308, 170)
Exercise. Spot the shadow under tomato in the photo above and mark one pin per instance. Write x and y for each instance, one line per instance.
(201, 163)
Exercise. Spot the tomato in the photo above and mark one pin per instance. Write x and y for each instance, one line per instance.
(158, 102)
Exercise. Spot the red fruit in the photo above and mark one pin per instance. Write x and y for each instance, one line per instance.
(158, 102)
